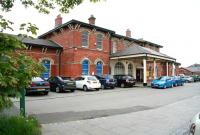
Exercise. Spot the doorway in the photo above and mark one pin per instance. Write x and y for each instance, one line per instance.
(139, 75)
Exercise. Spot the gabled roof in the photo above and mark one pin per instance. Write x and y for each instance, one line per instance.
(76, 22)
(97, 28)
(139, 50)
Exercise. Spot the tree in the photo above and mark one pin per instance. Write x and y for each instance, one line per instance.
(17, 69)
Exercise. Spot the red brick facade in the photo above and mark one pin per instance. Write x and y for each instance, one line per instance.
(68, 62)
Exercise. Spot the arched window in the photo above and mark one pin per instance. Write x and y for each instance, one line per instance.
(130, 69)
(84, 38)
(85, 67)
(47, 65)
(99, 68)
(119, 68)
(99, 41)
(114, 46)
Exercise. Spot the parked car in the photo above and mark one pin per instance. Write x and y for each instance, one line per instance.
(107, 81)
(177, 81)
(195, 125)
(195, 78)
(38, 85)
(187, 79)
(61, 84)
(124, 80)
(87, 83)
(162, 82)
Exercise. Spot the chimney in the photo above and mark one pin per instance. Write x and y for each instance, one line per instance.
(58, 20)
(128, 33)
(92, 20)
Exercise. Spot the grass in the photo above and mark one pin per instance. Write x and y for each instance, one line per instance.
(18, 125)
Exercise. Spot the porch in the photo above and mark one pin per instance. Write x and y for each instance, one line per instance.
(142, 63)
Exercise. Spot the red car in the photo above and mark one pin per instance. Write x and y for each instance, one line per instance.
(38, 85)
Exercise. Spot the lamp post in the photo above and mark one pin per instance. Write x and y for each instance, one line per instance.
(22, 95)
(22, 101)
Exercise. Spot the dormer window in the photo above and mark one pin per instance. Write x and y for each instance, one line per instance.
(99, 41)
(84, 38)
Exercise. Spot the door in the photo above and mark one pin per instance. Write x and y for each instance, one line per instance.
(139, 75)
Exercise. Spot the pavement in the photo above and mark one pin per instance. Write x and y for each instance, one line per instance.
(131, 111)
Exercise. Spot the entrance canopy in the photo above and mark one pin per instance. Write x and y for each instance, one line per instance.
(139, 51)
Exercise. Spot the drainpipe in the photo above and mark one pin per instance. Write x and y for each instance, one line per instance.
(59, 61)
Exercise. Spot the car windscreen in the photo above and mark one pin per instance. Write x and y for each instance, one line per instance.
(108, 76)
(127, 77)
(37, 79)
(162, 78)
(92, 78)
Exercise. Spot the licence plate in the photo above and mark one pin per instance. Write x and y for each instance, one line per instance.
(70, 83)
(40, 89)
(94, 82)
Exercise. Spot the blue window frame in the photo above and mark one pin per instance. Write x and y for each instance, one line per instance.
(99, 41)
(85, 67)
(46, 73)
(99, 68)
(84, 38)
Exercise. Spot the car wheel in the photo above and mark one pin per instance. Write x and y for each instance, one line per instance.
(102, 87)
(85, 88)
(57, 89)
(97, 89)
(72, 90)
(122, 85)
(164, 86)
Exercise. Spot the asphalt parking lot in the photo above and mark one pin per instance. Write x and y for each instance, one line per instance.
(126, 111)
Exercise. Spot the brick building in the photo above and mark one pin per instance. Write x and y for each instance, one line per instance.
(76, 48)
(191, 70)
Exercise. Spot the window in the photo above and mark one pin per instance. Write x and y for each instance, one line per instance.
(130, 69)
(46, 73)
(99, 68)
(126, 44)
(114, 46)
(85, 67)
(119, 68)
(84, 38)
(99, 41)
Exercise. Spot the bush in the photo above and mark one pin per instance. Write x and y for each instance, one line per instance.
(18, 125)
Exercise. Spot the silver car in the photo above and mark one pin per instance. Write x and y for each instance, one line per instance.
(195, 125)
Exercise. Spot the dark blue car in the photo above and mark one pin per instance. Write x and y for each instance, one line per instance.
(162, 82)
(107, 81)
(177, 81)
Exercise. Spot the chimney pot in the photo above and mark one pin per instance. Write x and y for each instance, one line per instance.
(58, 20)
(128, 33)
(92, 20)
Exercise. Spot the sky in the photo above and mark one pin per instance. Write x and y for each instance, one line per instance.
(174, 24)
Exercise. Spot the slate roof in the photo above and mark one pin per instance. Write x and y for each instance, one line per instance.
(83, 24)
(194, 68)
(76, 22)
(41, 42)
(136, 50)
(38, 42)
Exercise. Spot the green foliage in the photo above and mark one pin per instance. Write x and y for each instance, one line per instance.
(19, 126)
(16, 68)
(44, 6)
